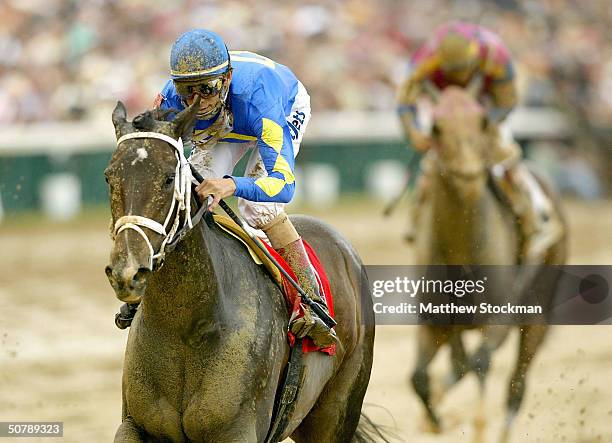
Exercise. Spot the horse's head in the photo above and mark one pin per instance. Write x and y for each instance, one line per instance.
(460, 141)
(147, 194)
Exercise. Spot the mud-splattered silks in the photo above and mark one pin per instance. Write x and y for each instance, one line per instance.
(209, 137)
(182, 198)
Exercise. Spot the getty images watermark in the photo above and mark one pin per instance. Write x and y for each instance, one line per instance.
(468, 295)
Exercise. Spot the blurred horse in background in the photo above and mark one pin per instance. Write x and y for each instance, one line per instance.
(208, 346)
(461, 221)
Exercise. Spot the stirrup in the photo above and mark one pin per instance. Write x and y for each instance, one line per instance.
(123, 319)
(311, 325)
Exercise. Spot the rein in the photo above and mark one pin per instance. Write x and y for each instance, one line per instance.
(181, 201)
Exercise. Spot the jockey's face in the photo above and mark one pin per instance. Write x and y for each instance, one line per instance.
(210, 92)
(459, 57)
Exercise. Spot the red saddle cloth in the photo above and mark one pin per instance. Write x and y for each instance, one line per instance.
(293, 299)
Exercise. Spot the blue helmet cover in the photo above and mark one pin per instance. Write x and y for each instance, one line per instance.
(198, 53)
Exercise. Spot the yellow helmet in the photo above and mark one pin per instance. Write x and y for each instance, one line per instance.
(457, 52)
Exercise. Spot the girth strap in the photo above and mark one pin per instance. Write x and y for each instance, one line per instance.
(285, 401)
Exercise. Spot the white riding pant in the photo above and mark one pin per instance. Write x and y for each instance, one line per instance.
(223, 157)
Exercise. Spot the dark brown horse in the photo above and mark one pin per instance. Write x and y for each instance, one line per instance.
(208, 346)
(462, 222)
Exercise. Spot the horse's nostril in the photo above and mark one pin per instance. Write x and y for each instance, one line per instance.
(109, 271)
(140, 277)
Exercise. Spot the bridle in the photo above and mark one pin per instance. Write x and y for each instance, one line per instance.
(181, 201)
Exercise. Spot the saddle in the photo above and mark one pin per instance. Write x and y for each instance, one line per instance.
(292, 298)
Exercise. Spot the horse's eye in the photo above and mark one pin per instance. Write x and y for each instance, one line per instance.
(169, 180)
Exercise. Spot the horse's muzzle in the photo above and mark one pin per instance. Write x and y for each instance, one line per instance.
(128, 282)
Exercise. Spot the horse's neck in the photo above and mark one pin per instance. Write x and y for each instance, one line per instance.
(463, 230)
(460, 222)
(187, 286)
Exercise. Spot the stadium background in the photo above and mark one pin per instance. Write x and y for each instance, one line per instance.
(63, 66)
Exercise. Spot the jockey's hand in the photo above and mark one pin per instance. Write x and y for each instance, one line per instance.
(419, 140)
(218, 188)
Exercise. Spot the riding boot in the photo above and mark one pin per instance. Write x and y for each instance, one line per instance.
(540, 223)
(287, 242)
(123, 319)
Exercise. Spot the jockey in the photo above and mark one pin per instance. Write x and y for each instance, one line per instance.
(248, 104)
(459, 54)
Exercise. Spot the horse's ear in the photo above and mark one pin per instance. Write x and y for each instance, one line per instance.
(119, 118)
(185, 120)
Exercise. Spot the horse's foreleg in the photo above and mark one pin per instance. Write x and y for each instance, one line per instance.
(480, 362)
(531, 339)
(128, 432)
(459, 362)
(428, 345)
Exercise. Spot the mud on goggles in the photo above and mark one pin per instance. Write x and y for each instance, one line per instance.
(204, 88)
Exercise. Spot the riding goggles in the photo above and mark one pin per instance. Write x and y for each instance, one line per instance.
(205, 89)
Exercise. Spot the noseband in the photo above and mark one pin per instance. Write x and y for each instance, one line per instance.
(181, 201)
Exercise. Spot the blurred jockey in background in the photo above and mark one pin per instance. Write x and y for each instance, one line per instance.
(248, 104)
(464, 54)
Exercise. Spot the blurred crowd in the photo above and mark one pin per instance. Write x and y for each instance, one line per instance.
(67, 60)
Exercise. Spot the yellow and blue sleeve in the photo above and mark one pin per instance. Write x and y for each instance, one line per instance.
(422, 67)
(276, 150)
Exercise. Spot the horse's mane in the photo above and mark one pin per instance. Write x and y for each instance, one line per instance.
(148, 119)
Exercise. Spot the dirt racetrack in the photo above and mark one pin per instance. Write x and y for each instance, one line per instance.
(61, 355)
